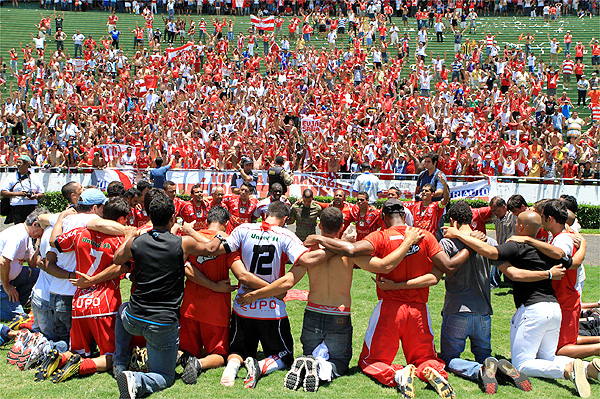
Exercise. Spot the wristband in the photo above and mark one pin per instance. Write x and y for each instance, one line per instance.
(549, 275)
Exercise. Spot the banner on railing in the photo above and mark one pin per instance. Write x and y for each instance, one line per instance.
(322, 186)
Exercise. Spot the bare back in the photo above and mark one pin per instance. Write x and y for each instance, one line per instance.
(330, 282)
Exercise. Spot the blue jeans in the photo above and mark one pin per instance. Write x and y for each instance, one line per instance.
(162, 344)
(335, 331)
(42, 317)
(456, 327)
(61, 306)
(23, 283)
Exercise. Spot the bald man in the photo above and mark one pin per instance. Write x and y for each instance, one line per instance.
(535, 325)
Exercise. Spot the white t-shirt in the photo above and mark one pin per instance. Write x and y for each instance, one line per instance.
(264, 250)
(68, 261)
(16, 245)
(28, 183)
(369, 183)
(41, 289)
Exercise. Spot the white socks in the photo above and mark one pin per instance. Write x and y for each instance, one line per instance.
(230, 372)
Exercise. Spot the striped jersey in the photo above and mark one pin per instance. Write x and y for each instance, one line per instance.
(265, 250)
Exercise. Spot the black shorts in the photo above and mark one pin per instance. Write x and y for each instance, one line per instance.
(275, 337)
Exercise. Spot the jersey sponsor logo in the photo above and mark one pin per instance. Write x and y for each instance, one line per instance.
(261, 304)
(201, 259)
(413, 249)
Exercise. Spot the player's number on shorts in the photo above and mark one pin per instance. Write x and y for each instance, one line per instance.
(262, 255)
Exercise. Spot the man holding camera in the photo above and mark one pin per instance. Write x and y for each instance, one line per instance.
(23, 190)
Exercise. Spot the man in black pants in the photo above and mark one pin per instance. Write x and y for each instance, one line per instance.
(153, 310)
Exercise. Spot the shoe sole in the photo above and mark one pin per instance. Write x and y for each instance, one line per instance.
(518, 379)
(580, 380)
(441, 386)
(488, 379)
(190, 371)
(311, 380)
(294, 376)
(253, 373)
(122, 383)
(49, 365)
(66, 372)
(408, 390)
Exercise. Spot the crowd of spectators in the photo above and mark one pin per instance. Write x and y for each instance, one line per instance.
(379, 95)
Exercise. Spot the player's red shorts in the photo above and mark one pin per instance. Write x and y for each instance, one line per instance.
(194, 335)
(569, 326)
(99, 329)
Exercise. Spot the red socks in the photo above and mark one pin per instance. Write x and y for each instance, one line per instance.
(87, 366)
(63, 360)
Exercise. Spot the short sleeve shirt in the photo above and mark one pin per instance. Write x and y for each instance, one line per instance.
(417, 262)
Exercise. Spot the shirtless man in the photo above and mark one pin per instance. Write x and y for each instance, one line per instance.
(327, 328)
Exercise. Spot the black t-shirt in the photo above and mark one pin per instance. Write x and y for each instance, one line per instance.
(526, 257)
(159, 277)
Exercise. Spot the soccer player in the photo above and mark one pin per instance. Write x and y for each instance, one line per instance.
(153, 310)
(94, 307)
(467, 310)
(241, 207)
(427, 213)
(183, 209)
(276, 191)
(200, 207)
(327, 328)
(401, 305)
(264, 248)
(535, 325)
(366, 217)
(206, 306)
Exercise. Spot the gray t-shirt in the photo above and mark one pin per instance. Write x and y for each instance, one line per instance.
(469, 289)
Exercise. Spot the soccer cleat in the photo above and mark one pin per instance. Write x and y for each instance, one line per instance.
(487, 376)
(23, 360)
(509, 373)
(16, 322)
(49, 365)
(37, 352)
(127, 386)
(133, 362)
(295, 376)
(578, 377)
(70, 368)
(439, 383)
(4, 338)
(21, 342)
(191, 369)
(253, 372)
(406, 379)
(311, 380)
(143, 360)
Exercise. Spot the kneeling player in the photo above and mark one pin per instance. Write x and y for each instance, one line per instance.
(327, 328)
(94, 308)
(206, 307)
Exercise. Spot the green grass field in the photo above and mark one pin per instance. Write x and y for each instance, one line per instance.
(18, 24)
(16, 384)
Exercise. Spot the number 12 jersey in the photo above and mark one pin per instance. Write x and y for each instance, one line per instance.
(265, 250)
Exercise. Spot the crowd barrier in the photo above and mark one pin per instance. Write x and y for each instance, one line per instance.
(484, 188)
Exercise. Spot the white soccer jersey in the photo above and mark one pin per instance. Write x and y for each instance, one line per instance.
(264, 249)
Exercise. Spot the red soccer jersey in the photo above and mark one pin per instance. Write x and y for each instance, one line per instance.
(426, 217)
(202, 304)
(566, 293)
(417, 262)
(200, 213)
(94, 252)
(184, 210)
(241, 212)
(137, 217)
(366, 224)
(480, 216)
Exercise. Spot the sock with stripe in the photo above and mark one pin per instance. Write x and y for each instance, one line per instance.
(270, 364)
(63, 360)
(230, 372)
(87, 366)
